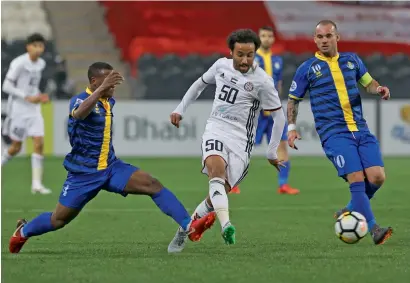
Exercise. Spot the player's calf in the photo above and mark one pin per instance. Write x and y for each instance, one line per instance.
(43, 223)
(142, 183)
(10, 152)
(217, 192)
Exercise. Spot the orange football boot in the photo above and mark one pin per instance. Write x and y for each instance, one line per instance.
(199, 226)
(17, 241)
(235, 190)
(288, 190)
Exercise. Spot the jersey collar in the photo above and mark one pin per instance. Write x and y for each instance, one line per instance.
(327, 59)
(88, 91)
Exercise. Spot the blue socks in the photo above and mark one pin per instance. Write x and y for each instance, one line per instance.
(360, 202)
(371, 189)
(284, 174)
(38, 226)
(171, 206)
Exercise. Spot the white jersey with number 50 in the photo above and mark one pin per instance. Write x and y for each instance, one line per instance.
(22, 80)
(239, 97)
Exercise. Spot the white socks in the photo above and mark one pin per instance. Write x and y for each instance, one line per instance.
(202, 209)
(37, 170)
(5, 157)
(219, 200)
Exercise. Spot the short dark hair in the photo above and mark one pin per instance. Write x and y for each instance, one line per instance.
(268, 28)
(95, 69)
(35, 37)
(243, 36)
(327, 22)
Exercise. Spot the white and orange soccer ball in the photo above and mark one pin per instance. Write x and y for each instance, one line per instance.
(351, 227)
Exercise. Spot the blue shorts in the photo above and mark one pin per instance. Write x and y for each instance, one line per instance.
(80, 188)
(265, 124)
(353, 152)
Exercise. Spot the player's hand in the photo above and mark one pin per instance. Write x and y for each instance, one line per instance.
(384, 92)
(113, 79)
(44, 98)
(277, 163)
(292, 137)
(175, 119)
(33, 99)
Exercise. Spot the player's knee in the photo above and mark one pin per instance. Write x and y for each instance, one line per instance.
(215, 166)
(38, 148)
(377, 178)
(38, 145)
(355, 177)
(154, 186)
(58, 222)
(14, 148)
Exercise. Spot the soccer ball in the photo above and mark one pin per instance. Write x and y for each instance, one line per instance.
(351, 227)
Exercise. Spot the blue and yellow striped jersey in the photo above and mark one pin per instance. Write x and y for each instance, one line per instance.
(91, 138)
(272, 65)
(334, 94)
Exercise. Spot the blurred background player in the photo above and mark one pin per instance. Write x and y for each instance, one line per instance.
(331, 79)
(93, 166)
(24, 111)
(273, 66)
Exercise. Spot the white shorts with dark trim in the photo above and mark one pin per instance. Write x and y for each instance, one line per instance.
(236, 158)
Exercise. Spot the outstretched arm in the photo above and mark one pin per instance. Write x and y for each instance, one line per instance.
(190, 96)
(193, 93)
(277, 130)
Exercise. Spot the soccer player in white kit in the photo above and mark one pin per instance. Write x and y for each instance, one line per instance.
(24, 117)
(242, 90)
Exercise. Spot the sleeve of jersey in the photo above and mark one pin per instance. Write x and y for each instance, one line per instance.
(277, 132)
(9, 85)
(362, 75)
(196, 89)
(299, 84)
(269, 96)
(74, 104)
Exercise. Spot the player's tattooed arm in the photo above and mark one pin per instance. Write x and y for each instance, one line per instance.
(293, 109)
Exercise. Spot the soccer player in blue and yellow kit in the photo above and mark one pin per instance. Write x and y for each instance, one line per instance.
(273, 65)
(92, 165)
(331, 79)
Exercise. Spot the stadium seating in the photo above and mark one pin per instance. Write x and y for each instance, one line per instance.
(176, 73)
(18, 20)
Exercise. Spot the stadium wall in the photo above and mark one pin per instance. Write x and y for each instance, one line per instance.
(142, 128)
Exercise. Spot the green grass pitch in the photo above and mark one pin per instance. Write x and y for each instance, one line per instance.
(280, 238)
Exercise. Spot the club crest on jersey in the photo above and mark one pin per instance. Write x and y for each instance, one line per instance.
(293, 86)
(277, 66)
(248, 86)
(78, 102)
(97, 109)
(350, 65)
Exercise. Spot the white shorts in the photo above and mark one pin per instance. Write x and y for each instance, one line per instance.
(236, 159)
(18, 129)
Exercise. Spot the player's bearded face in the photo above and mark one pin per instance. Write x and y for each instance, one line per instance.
(35, 49)
(243, 55)
(267, 39)
(326, 38)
